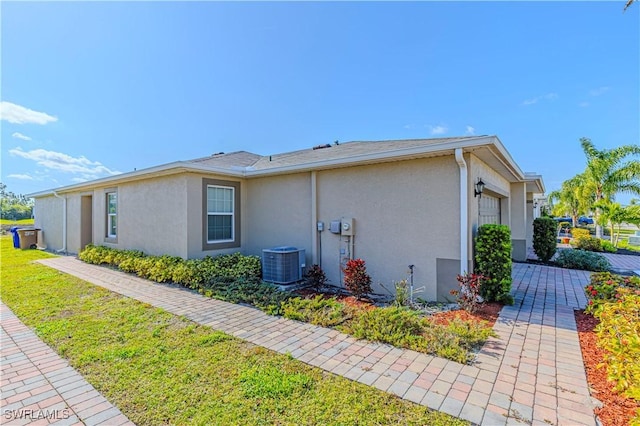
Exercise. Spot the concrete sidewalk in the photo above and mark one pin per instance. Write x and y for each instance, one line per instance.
(39, 387)
(532, 373)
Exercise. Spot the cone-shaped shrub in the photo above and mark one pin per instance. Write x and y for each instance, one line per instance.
(544, 238)
(356, 279)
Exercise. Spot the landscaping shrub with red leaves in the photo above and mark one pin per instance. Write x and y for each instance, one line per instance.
(356, 279)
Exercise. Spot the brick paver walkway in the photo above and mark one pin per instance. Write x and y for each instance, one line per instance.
(619, 262)
(39, 387)
(532, 373)
(623, 261)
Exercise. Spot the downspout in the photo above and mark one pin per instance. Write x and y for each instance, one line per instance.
(464, 213)
(64, 223)
(314, 219)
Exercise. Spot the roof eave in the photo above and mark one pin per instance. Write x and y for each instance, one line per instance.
(162, 170)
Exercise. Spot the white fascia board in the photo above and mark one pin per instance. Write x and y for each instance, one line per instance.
(507, 160)
(535, 179)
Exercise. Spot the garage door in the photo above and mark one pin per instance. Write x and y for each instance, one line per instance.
(489, 210)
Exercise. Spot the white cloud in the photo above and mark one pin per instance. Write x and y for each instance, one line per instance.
(470, 131)
(583, 104)
(65, 163)
(438, 130)
(599, 91)
(21, 176)
(78, 180)
(19, 135)
(548, 97)
(20, 115)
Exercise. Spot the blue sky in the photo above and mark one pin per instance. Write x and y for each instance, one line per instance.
(93, 89)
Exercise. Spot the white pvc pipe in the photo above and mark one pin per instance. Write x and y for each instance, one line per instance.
(314, 219)
(464, 212)
(64, 223)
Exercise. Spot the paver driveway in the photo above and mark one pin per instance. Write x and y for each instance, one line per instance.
(532, 373)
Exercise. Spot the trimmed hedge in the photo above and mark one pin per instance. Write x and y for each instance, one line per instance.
(544, 238)
(192, 273)
(493, 262)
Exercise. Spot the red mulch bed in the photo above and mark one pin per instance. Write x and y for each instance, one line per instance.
(347, 300)
(487, 311)
(617, 410)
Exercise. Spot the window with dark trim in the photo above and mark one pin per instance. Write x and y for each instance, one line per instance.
(112, 215)
(221, 214)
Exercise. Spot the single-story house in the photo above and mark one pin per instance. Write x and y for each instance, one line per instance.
(392, 203)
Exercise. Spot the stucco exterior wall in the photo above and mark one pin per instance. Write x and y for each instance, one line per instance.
(48, 217)
(406, 213)
(151, 216)
(277, 212)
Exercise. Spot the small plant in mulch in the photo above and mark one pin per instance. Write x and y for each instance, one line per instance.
(356, 279)
(468, 297)
(402, 296)
(315, 276)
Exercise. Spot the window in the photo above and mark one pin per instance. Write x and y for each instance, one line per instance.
(112, 215)
(221, 224)
(220, 213)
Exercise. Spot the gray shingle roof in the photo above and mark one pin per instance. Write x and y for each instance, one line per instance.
(242, 159)
(233, 160)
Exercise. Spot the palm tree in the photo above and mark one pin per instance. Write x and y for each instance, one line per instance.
(571, 199)
(608, 172)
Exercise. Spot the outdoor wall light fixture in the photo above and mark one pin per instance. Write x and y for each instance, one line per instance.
(479, 188)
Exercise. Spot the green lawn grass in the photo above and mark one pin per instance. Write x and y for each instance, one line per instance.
(23, 222)
(159, 368)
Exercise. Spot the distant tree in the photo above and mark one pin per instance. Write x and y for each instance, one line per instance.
(571, 199)
(14, 207)
(614, 215)
(608, 172)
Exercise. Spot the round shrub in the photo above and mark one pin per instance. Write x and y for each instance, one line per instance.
(588, 243)
(582, 259)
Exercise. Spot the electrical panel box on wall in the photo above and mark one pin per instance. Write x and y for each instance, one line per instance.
(347, 226)
(334, 226)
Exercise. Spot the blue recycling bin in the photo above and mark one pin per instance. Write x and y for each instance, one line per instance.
(16, 236)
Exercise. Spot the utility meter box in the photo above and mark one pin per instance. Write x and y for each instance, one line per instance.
(347, 226)
(334, 226)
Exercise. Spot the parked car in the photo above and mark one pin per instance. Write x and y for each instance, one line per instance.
(584, 220)
(563, 219)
